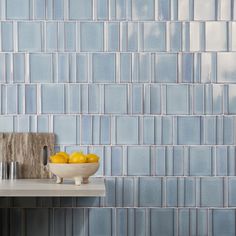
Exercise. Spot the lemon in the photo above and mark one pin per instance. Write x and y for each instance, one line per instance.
(92, 158)
(77, 157)
(58, 159)
(64, 154)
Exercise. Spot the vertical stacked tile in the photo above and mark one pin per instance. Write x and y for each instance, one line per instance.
(149, 85)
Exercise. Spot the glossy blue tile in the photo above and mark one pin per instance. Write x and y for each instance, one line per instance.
(127, 130)
(216, 36)
(102, 9)
(125, 67)
(19, 67)
(91, 36)
(178, 161)
(185, 10)
(221, 161)
(110, 199)
(42, 124)
(138, 161)
(7, 36)
(187, 68)
(131, 37)
(164, 10)
(231, 98)
(154, 36)
(140, 222)
(198, 99)
(208, 67)
(94, 98)
(223, 222)
(155, 99)
(162, 222)
(167, 130)
(64, 128)
(232, 191)
(52, 98)
(2, 68)
(116, 160)
(197, 39)
(148, 130)
(103, 68)
(189, 192)
(160, 161)
(30, 99)
(210, 130)
(113, 36)
(70, 36)
(205, 11)
(16, 9)
(188, 130)
(40, 68)
(74, 99)
(217, 102)
(184, 222)
(86, 130)
(177, 97)
(200, 161)
(105, 136)
(226, 71)
(175, 36)
(58, 9)
(166, 68)
(29, 36)
(39, 9)
(231, 160)
(63, 67)
(143, 10)
(51, 40)
(150, 192)
(212, 192)
(128, 192)
(137, 98)
(171, 192)
(228, 127)
(80, 9)
(116, 99)
(11, 97)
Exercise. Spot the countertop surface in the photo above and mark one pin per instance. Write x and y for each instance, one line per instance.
(49, 188)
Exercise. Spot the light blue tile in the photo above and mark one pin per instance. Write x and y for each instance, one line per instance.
(40, 68)
(167, 130)
(103, 68)
(197, 36)
(223, 222)
(208, 99)
(154, 36)
(42, 124)
(116, 161)
(119, 9)
(121, 221)
(175, 36)
(141, 224)
(189, 192)
(132, 37)
(6, 124)
(116, 99)
(162, 222)
(221, 161)
(148, 130)
(217, 99)
(208, 67)
(166, 68)
(155, 99)
(30, 99)
(70, 32)
(96, 129)
(80, 9)
(187, 68)
(63, 67)
(160, 160)
(16, 9)
(210, 130)
(74, 98)
(18, 67)
(113, 36)
(21, 98)
(110, 199)
(198, 99)
(128, 192)
(205, 11)
(171, 192)
(228, 130)
(7, 36)
(169, 161)
(164, 10)
(232, 191)
(138, 161)
(143, 69)
(39, 9)
(91, 36)
(143, 10)
(29, 36)
(127, 130)
(137, 98)
(58, 9)
(84, 97)
(11, 92)
(225, 10)
(216, 36)
(150, 192)
(177, 99)
(52, 98)
(2, 68)
(189, 130)
(94, 98)
(102, 9)
(184, 222)
(178, 161)
(202, 223)
(185, 10)
(51, 36)
(212, 192)
(232, 98)
(105, 130)
(125, 67)
(231, 160)
(200, 160)
(86, 130)
(226, 71)
(81, 68)
(49, 12)
(22, 124)
(64, 128)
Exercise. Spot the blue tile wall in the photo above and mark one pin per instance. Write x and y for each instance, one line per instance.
(149, 85)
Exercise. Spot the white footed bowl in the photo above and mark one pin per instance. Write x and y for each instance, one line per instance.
(79, 172)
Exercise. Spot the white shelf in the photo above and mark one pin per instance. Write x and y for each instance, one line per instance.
(49, 188)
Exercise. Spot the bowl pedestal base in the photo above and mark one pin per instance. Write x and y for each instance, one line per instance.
(78, 180)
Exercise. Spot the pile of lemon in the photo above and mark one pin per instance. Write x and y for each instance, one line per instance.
(75, 157)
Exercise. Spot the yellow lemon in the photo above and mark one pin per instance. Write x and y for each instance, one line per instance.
(77, 157)
(58, 159)
(92, 158)
(64, 154)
